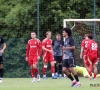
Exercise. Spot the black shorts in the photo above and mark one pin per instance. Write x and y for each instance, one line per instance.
(69, 62)
(1, 60)
(58, 59)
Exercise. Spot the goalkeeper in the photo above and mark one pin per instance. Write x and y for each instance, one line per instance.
(82, 71)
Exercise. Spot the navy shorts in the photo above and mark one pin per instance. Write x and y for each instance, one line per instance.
(69, 62)
(58, 59)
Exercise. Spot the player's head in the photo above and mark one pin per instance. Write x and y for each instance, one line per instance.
(90, 36)
(33, 35)
(86, 36)
(58, 37)
(48, 34)
(66, 32)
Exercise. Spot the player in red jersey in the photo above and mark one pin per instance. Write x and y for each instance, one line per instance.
(92, 56)
(34, 50)
(84, 45)
(48, 55)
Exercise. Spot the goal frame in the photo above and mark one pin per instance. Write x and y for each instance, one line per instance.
(68, 20)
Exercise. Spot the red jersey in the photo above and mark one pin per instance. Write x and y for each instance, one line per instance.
(92, 48)
(47, 43)
(33, 47)
(84, 44)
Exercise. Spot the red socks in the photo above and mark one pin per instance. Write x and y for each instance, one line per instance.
(44, 70)
(33, 73)
(53, 69)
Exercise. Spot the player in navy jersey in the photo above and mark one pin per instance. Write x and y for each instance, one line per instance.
(68, 57)
(2, 48)
(57, 48)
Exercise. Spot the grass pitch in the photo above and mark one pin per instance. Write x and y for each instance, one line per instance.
(49, 84)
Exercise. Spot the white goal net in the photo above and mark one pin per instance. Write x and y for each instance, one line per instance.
(80, 27)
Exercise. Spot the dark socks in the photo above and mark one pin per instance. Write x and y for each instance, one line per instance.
(55, 67)
(76, 77)
(70, 77)
(60, 69)
(1, 73)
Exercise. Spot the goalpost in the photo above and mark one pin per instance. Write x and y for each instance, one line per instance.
(83, 26)
(80, 27)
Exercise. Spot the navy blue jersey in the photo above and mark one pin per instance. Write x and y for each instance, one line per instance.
(57, 47)
(69, 42)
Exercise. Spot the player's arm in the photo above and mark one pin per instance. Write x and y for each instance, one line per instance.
(45, 49)
(40, 50)
(4, 45)
(72, 47)
(82, 49)
(27, 51)
(81, 52)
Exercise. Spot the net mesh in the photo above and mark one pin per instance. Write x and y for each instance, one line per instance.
(79, 29)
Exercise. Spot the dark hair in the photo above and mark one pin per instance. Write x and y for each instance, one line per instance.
(90, 36)
(58, 34)
(67, 30)
(33, 32)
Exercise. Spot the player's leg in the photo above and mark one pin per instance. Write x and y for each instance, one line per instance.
(52, 62)
(95, 71)
(71, 63)
(45, 65)
(88, 63)
(67, 73)
(95, 62)
(44, 70)
(55, 58)
(1, 69)
(32, 70)
(35, 66)
(60, 66)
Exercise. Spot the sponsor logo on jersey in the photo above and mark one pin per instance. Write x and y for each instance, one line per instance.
(48, 45)
(33, 46)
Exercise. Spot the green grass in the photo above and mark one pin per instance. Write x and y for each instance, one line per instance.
(49, 84)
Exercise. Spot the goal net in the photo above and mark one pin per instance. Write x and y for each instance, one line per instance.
(80, 27)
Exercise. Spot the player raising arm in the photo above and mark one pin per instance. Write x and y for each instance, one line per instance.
(33, 53)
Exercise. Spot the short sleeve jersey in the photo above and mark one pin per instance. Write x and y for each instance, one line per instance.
(84, 44)
(69, 42)
(57, 47)
(47, 43)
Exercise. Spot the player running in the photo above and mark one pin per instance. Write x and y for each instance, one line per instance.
(2, 48)
(48, 55)
(33, 53)
(57, 47)
(92, 56)
(69, 61)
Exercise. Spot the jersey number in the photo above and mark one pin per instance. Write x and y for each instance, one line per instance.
(94, 46)
(86, 44)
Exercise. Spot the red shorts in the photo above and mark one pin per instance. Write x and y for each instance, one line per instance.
(92, 59)
(47, 57)
(32, 60)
